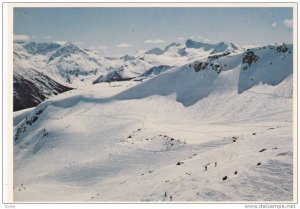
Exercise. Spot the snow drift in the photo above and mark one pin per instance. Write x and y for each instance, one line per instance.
(217, 128)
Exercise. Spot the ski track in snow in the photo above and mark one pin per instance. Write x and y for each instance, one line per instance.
(127, 163)
(136, 142)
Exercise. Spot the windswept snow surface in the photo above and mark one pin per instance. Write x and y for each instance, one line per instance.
(55, 68)
(180, 136)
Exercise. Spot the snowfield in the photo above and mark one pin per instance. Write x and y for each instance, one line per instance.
(222, 132)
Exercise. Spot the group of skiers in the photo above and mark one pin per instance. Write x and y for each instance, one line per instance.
(205, 167)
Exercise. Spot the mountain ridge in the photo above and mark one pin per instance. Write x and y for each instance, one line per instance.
(71, 67)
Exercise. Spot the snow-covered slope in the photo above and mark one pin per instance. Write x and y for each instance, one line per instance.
(179, 54)
(213, 48)
(194, 81)
(156, 70)
(40, 48)
(259, 63)
(30, 87)
(71, 63)
(68, 65)
(75, 66)
(42, 70)
(198, 132)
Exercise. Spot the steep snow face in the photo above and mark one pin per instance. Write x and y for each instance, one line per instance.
(31, 87)
(266, 65)
(188, 86)
(40, 48)
(71, 66)
(226, 71)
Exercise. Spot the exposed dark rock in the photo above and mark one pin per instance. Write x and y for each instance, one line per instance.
(113, 75)
(40, 48)
(29, 121)
(156, 70)
(282, 48)
(249, 58)
(29, 93)
(216, 67)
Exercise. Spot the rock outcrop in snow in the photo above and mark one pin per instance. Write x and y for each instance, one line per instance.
(70, 66)
(192, 82)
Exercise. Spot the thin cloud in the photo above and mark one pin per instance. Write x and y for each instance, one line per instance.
(47, 37)
(93, 49)
(181, 38)
(79, 43)
(60, 42)
(157, 41)
(102, 47)
(123, 45)
(288, 23)
(203, 39)
(21, 37)
(274, 24)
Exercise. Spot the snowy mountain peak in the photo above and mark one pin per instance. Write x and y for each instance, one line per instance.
(66, 50)
(70, 47)
(242, 70)
(172, 45)
(127, 57)
(40, 48)
(223, 47)
(196, 45)
(156, 51)
(216, 48)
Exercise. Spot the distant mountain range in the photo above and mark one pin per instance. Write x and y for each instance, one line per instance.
(42, 70)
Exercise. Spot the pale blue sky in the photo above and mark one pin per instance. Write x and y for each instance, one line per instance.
(115, 31)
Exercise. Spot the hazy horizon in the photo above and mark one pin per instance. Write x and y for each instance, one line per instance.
(119, 31)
